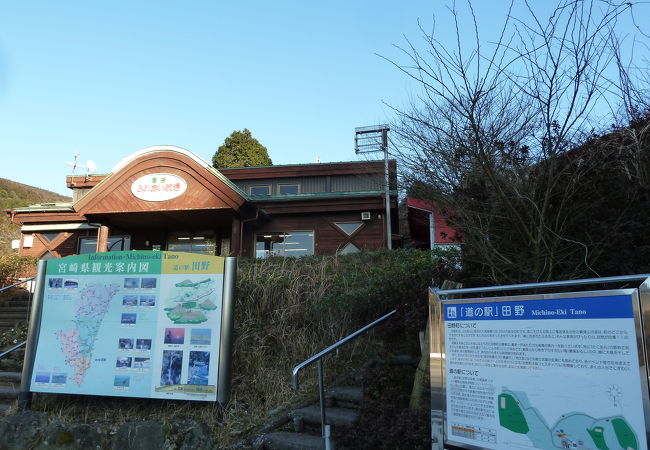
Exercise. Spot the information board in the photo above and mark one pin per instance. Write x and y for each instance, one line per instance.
(132, 324)
(543, 373)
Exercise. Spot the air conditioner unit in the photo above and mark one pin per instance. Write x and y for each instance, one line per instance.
(28, 241)
(365, 215)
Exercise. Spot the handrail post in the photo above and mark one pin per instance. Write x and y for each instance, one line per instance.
(323, 421)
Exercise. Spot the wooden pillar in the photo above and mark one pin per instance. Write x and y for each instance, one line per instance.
(102, 239)
(235, 237)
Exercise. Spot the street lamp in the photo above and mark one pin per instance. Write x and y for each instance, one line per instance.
(375, 139)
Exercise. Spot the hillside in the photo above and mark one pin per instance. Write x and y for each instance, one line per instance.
(15, 195)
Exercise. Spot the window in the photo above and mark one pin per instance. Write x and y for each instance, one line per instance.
(47, 256)
(201, 243)
(288, 189)
(349, 227)
(349, 248)
(49, 236)
(289, 243)
(262, 189)
(115, 244)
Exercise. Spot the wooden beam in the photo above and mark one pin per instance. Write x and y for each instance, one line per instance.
(102, 239)
(235, 237)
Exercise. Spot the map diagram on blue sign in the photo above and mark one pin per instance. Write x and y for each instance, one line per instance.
(190, 301)
(573, 430)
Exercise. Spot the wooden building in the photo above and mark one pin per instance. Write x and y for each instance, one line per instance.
(166, 198)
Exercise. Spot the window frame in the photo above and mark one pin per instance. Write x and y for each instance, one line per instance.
(361, 224)
(126, 243)
(268, 252)
(192, 238)
(267, 186)
(281, 185)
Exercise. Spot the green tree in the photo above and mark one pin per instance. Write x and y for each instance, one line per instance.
(241, 149)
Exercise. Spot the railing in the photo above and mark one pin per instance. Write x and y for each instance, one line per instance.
(18, 283)
(14, 348)
(29, 307)
(318, 357)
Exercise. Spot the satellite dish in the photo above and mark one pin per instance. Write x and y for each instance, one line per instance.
(90, 164)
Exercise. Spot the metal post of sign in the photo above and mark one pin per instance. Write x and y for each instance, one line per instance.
(436, 373)
(227, 327)
(24, 396)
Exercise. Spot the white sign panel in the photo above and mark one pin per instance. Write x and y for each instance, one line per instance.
(158, 187)
(547, 373)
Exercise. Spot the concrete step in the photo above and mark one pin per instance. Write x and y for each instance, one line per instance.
(17, 315)
(9, 392)
(349, 394)
(6, 407)
(22, 302)
(14, 302)
(10, 377)
(16, 308)
(338, 417)
(284, 440)
(10, 365)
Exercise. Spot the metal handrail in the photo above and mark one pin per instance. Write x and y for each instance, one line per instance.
(333, 347)
(15, 347)
(546, 284)
(16, 284)
(318, 357)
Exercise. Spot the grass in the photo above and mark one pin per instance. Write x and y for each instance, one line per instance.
(287, 310)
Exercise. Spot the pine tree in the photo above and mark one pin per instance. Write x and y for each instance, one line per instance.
(241, 149)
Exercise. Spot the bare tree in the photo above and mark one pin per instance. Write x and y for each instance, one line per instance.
(493, 136)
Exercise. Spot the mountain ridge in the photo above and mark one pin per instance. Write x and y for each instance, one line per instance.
(16, 195)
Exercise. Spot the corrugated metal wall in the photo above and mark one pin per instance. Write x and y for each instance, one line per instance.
(319, 184)
(357, 183)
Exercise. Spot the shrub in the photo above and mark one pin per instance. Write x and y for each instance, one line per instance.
(13, 336)
(13, 266)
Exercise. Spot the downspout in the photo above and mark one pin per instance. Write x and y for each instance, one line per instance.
(241, 229)
(432, 231)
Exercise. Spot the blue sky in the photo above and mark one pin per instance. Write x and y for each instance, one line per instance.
(105, 79)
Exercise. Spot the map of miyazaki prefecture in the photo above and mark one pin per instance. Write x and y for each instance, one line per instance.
(78, 343)
(573, 430)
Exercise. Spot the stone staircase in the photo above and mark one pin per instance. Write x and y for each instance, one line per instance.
(341, 410)
(14, 307)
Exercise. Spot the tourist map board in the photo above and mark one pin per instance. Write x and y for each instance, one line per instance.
(132, 324)
(547, 373)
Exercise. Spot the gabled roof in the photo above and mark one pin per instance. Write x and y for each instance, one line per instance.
(207, 187)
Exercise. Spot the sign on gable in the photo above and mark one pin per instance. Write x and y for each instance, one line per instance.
(158, 187)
